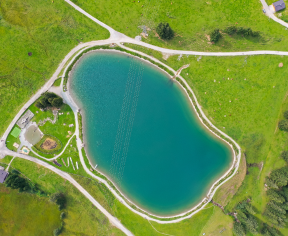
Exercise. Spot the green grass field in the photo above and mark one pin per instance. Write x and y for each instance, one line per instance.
(26, 214)
(48, 29)
(192, 21)
(82, 217)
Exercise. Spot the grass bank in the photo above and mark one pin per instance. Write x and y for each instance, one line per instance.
(82, 218)
(244, 97)
(192, 22)
(26, 214)
(47, 29)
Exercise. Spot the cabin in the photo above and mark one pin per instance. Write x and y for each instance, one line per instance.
(3, 176)
(279, 5)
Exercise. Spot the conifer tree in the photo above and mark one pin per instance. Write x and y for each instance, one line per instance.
(274, 196)
(271, 183)
(238, 229)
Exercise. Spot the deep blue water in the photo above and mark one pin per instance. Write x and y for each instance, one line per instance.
(142, 132)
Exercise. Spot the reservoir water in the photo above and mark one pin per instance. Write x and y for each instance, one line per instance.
(141, 130)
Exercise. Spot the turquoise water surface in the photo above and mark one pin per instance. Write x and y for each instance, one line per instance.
(141, 130)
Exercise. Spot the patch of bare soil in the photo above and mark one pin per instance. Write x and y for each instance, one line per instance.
(49, 144)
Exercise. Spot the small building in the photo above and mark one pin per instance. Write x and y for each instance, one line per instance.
(24, 120)
(3, 176)
(279, 5)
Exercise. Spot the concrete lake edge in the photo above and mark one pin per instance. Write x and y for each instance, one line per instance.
(203, 119)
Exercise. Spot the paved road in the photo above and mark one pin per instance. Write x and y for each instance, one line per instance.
(114, 221)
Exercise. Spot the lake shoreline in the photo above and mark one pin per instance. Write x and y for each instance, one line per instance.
(205, 127)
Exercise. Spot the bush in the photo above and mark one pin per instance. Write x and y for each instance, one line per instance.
(285, 114)
(215, 35)
(62, 215)
(283, 125)
(284, 155)
(164, 30)
(231, 30)
(56, 232)
(59, 199)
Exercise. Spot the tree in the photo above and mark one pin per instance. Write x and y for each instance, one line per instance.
(164, 30)
(238, 229)
(276, 208)
(57, 102)
(48, 95)
(39, 105)
(271, 183)
(269, 231)
(284, 155)
(283, 125)
(215, 35)
(44, 101)
(274, 196)
(251, 224)
(231, 30)
(286, 114)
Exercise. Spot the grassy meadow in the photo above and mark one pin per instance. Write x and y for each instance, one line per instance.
(82, 217)
(26, 214)
(192, 22)
(245, 97)
(47, 29)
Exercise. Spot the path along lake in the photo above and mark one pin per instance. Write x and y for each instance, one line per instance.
(141, 130)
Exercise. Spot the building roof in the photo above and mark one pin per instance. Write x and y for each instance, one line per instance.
(3, 175)
(24, 120)
(279, 5)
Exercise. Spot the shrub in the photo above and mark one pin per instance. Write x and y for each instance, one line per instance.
(164, 30)
(286, 114)
(283, 125)
(284, 155)
(62, 215)
(59, 199)
(56, 232)
(231, 30)
(215, 35)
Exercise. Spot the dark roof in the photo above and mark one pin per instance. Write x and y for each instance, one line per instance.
(3, 175)
(279, 5)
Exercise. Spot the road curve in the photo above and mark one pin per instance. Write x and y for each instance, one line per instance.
(113, 220)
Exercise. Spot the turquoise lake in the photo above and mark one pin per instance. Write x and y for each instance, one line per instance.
(141, 130)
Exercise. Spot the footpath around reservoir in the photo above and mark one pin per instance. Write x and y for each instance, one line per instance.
(119, 38)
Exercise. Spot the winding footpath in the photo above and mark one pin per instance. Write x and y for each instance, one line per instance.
(119, 38)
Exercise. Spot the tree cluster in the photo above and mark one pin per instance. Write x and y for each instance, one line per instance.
(277, 193)
(241, 31)
(283, 124)
(248, 223)
(49, 100)
(215, 35)
(15, 181)
(164, 30)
